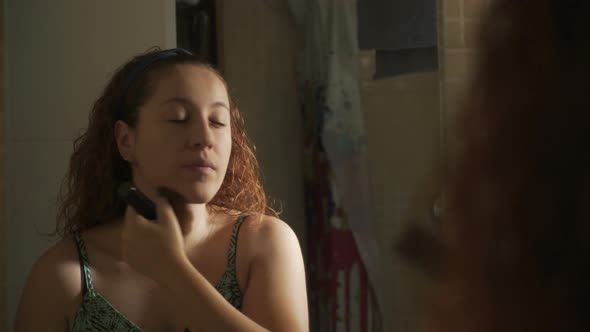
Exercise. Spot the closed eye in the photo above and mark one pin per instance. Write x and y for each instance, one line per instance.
(217, 123)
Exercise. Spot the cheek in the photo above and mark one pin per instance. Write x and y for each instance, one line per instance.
(227, 146)
(156, 151)
(157, 137)
(224, 147)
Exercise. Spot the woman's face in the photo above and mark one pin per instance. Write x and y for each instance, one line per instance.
(182, 140)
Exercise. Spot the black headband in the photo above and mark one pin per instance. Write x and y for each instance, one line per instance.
(144, 62)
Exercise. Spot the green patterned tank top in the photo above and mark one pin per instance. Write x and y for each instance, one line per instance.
(96, 314)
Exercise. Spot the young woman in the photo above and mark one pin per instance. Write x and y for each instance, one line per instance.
(216, 258)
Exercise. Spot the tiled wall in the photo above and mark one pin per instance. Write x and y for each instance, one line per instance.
(47, 100)
(259, 65)
(459, 22)
(402, 122)
(404, 117)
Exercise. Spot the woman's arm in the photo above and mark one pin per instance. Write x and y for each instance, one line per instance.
(275, 298)
(276, 294)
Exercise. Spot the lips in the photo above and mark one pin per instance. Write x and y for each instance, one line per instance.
(201, 164)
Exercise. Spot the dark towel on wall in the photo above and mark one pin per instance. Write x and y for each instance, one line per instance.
(392, 63)
(403, 32)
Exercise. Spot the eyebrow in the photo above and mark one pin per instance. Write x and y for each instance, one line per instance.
(187, 101)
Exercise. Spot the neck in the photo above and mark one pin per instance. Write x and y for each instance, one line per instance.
(192, 218)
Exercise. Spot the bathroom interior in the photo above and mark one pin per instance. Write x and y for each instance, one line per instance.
(385, 77)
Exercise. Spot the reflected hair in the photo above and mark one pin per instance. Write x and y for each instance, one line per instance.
(511, 252)
(516, 226)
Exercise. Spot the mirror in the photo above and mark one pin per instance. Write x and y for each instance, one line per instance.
(58, 56)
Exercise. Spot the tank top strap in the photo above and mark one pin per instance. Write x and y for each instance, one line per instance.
(233, 244)
(85, 270)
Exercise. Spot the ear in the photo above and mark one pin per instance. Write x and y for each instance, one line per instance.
(125, 138)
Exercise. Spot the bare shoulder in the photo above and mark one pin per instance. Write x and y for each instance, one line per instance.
(266, 226)
(276, 264)
(60, 266)
(52, 288)
(267, 235)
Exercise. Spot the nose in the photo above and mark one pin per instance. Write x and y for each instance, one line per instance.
(200, 133)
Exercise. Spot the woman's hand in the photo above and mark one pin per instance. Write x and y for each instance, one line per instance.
(154, 248)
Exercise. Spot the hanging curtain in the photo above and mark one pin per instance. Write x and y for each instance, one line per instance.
(343, 256)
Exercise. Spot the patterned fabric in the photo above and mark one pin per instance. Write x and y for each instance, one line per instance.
(96, 314)
(228, 285)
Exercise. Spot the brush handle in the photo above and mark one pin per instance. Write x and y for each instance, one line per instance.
(140, 202)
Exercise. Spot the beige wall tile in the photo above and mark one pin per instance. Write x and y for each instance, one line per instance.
(453, 34)
(452, 8)
(460, 52)
(471, 33)
(455, 93)
(402, 121)
(474, 8)
(456, 64)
